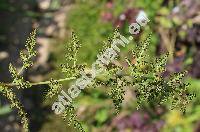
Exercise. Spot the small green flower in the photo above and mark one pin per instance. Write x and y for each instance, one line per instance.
(55, 88)
(15, 103)
(141, 74)
(18, 80)
(69, 114)
(30, 50)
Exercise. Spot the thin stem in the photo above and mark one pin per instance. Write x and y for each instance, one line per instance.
(41, 83)
(21, 70)
(47, 82)
(23, 67)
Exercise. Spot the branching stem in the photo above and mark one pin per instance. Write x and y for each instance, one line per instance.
(40, 83)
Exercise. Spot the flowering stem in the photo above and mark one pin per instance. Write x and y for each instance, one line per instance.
(47, 82)
(40, 83)
(21, 70)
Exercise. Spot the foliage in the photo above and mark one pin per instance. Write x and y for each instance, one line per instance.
(18, 80)
(159, 12)
(146, 77)
(55, 86)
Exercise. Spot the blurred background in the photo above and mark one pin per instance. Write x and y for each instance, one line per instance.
(175, 25)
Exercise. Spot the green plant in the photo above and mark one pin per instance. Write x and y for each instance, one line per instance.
(141, 74)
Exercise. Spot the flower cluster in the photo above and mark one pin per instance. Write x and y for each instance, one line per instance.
(146, 77)
(55, 88)
(71, 68)
(15, 103)
(30, 50)
(70, 111)
(18, 80)
(143, 74)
